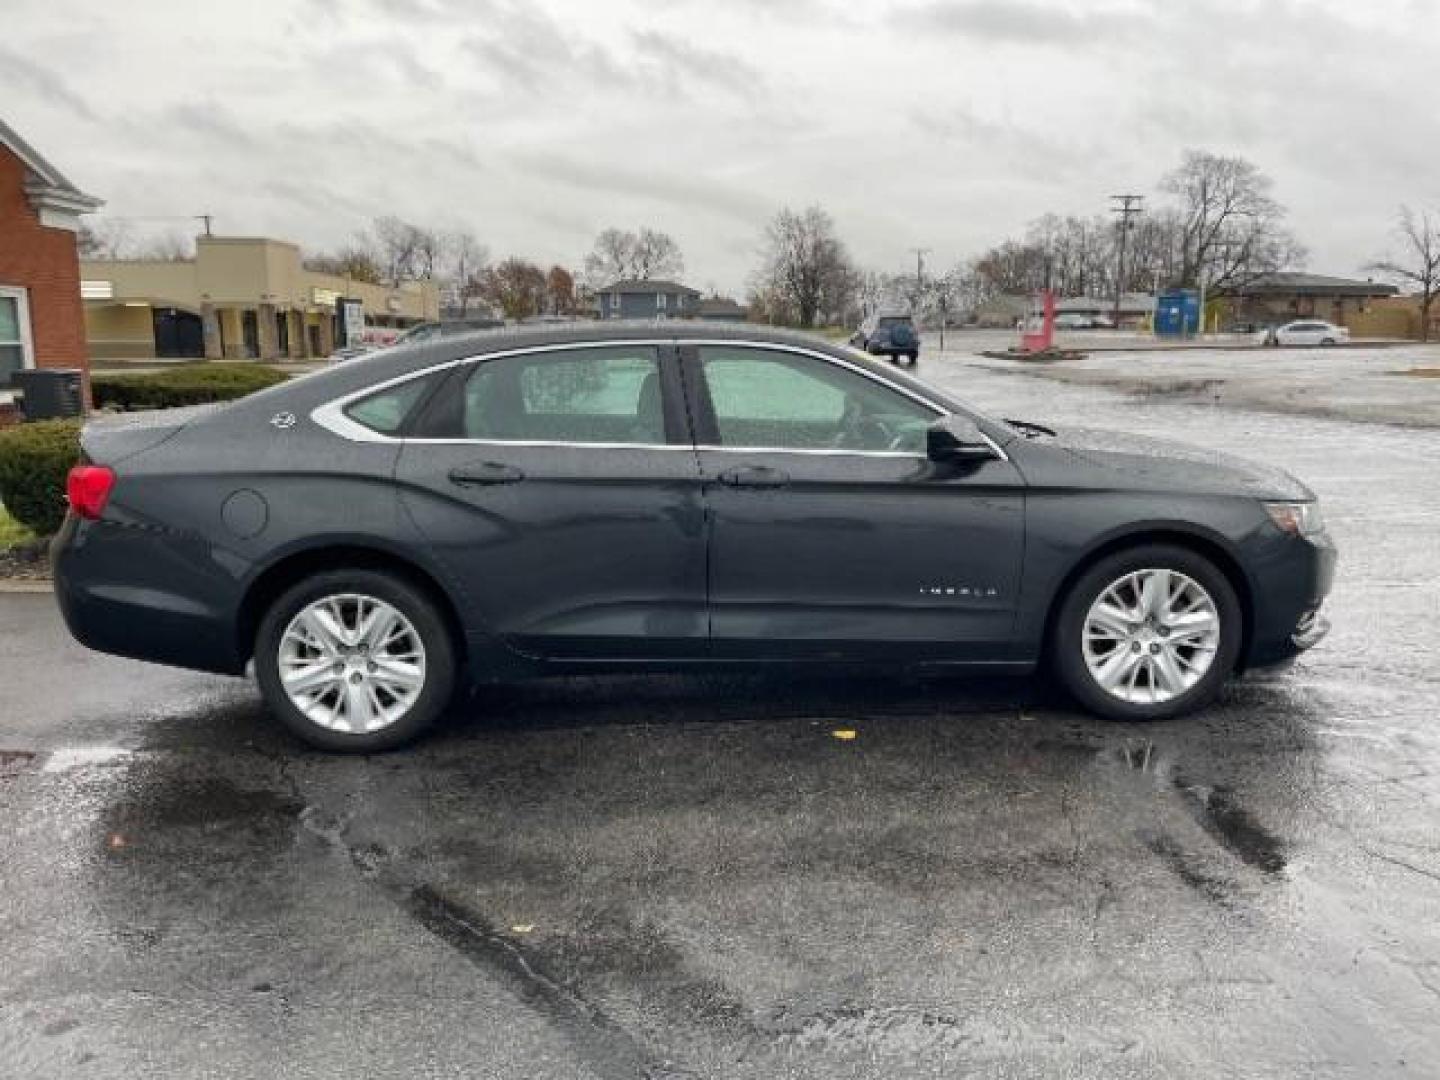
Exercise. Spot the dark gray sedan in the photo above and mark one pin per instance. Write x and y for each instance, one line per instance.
(493, 506)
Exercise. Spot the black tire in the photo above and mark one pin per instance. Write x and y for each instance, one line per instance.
(914, 358)
(412, 602)
(1067, 647)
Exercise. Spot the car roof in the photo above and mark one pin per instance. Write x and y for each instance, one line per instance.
(396, 362)
(404, 358)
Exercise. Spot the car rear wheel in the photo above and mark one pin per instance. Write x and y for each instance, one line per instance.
(357, 660)
(1148, 633)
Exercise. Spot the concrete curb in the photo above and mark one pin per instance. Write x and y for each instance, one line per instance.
(26, 586)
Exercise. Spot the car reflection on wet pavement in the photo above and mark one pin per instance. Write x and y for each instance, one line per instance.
(696, 877)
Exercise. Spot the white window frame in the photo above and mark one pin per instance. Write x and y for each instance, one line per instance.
(614, 301)
(659, 301)
(21, 296)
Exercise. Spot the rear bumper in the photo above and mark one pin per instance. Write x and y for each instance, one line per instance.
(135, 593)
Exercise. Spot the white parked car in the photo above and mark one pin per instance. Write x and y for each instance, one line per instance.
(1307, 332)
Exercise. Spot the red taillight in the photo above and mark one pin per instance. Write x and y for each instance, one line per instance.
(87, 488)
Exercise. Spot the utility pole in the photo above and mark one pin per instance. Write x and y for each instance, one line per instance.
(1126, 206)
(207, 219)
(919, 285)
(920, 253)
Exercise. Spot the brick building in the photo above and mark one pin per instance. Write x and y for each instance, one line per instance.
(42, 322)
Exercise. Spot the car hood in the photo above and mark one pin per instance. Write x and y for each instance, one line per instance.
(1161, 463)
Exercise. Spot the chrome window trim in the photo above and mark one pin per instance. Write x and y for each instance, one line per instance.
(331, 414)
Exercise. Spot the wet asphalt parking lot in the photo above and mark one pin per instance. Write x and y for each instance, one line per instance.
(670, 877)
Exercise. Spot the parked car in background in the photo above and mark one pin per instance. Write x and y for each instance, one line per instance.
(1307, 332)
(350, 352)
(595, 499)
(548, 320)
(892, 335)
(426, 331)
(1078, 320)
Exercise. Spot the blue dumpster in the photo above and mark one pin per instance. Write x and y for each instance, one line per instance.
(1177, 313)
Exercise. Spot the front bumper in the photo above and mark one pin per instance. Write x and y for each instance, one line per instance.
(1290, 586)
(1310, 630)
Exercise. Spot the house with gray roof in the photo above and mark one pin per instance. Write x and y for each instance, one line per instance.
(646, 299)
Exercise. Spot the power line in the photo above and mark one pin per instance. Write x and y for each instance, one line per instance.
(1126, 206)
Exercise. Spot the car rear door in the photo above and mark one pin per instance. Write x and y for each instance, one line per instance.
(560, 486)
(831, 535)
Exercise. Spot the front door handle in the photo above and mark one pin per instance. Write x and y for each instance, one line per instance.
(755, 476)
(485, 474)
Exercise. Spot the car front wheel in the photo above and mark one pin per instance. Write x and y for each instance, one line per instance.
(357, 660)
(1148, 633)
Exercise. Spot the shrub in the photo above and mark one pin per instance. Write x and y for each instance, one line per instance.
(34, 461)
(185, 384)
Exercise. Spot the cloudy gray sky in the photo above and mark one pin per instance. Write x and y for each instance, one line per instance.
(942, 123)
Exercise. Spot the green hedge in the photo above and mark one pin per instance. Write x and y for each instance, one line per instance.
(34, 461)
(184, 384)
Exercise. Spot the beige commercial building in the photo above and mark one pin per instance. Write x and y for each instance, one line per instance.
(239, 298)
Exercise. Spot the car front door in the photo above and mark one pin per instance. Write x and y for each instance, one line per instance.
(831, 534)
(560, 487)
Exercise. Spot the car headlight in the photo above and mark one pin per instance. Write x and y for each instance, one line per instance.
(1297, 518)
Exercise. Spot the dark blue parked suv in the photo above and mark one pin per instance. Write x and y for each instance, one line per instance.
(888, 335)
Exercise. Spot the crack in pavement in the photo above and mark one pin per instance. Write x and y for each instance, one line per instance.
(606, 1048)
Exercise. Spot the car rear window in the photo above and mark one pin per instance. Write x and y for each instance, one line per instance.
(898, 320)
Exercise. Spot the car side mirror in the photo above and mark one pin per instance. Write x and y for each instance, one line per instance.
(957, 438)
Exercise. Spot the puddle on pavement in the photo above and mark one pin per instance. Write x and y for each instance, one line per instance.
(1221, 815)
(205, 801)
(1216, 808)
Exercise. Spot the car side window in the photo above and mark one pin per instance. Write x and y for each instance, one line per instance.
(769, 399)
(387, 410)
(600, 395)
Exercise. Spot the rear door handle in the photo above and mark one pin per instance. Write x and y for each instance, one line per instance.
(755, 476)
(485, 474)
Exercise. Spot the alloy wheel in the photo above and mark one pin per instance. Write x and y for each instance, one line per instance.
(352, 663)
(1150, 636)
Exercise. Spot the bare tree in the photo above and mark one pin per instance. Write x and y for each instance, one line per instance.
(1419, 265)
(465, 260)
(167, 247)
(429, 253)
(609, 260)
(656, 255)
(353, 261)
(560, 291)
(1231, 226)
(621, 255)
(806, 271)
(398, 244)
(516, 286)
(105, 238)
